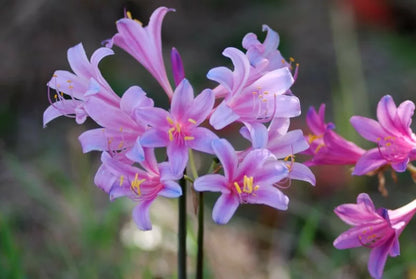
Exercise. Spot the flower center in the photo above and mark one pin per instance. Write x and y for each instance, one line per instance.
(391, 149)
(176, 130)
(135, 184)
(248, 188)
(368, 238)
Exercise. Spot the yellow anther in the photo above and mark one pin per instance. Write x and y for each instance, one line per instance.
(378, 139)
(266, 92)
(237, 187)
(256, 187)
(297, 64)
(170, 121)
(170, 132)
(128, 13)
(135, 184)
(264, 100)
(291, 59)
(69, 81)
(254, 92)
(62, 94)
(387, 138)
(388, 144)
(121, 180)
(283, 61)
(54, 75)
(55, 96)
(121, 129)
(120, 145)
(319, 147)
(138, 21)
(110, 140)
(188, 138)
(178, 127)
(192, 121)
(70, 87)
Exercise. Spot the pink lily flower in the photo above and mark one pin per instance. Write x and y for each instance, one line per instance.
(86, 81)
(178, 129)
(326, 146)
(122, 127)
(251, 181)
(284, 144)
(140, 185)
(252, 103)
(144, 44)
(396, 143)
(378, 230)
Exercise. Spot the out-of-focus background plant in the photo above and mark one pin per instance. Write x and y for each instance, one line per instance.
(54, 223)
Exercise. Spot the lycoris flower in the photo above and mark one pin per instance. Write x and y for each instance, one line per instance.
(72, 90)
(178, 129)
(251, 181)
(144, 44)
(396, 143)
(376, 229)
(326, 146)
(252, 102)
(140, 185)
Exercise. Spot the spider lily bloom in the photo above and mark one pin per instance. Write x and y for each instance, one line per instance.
(251, 181)
(326, 146)
(86, 81)
(122, 127)
(252, 103)
(396, 143)
(284, 144)
(144, 44)
(178, 129)
(141, 185)
(376, 229)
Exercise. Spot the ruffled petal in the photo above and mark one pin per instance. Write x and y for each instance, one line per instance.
(94, 139)
(134, 98)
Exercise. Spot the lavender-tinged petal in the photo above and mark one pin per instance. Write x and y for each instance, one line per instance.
(75, 88)
(99, 54)
(250, 41)
(400, 166)
(118, 168)
(278, 127)
(202, 139)
(223, 76)
(201, 107)
(287, 106)
(405, 112)
(178, 157)
(241, 67)
(395, 248)
(368, 128)
(225, 208)
(104, 179)
(118, 191)
(136, 153)
(78, 61)
(370, 161)
(154, 116)
(270, 173)
(299, 171)
(277, 81)
(227, 156)
(245, 133)
(270, 196)
(365, 200)
(272, 40)
(258, 134)
(316, 122)
(349, 239)
(291, 143)
(59, 108)
(386, 113)
(171, 189)
(141, 215)
(154, 138)
(93, 87)
(378, 258)
(212, 183)
(182, 99)
(177, 66)
(253, 161)
(134, 98)
(94, 139)
(223, 116)
(155, 25)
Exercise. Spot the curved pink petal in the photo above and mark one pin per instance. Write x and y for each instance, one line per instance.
(202, 140)
(177, 66)
(227, 156)
(405, 112)
(241, 67)
(291, 143)
(378, 258)
(136, 153)
(154, 138)
(155, 117)
(222, 116)
(178, 157)
(277, 81)
(368, 128)
(182, 100)
(170, 189)
(70, 84)
(278, 127)
(370, 161)
(258, 134)
(59, 108)
(270, 196)
(315, 121)
(104, 178)
(270, 173)
(223, 76)
(348, 239)
(287, 106)
(134, 98)
(212, 183)
(299, 171)
(94, 139)
(386, 114)
(201, 107)
(99, 54)
(79, 62)
(141, 215)
(224, 208)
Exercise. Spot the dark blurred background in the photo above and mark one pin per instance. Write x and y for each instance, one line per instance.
(54, 223)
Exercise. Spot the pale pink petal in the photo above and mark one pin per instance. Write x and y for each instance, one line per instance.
(223, 76)
(386, 113)
(368, 128)
(224, 208)
(270, 196)
(178, 156)
(154, 138)
(369, 161)
(299, 171)
(241, 67)
(202, 140)
(182, 100)
(212, 183)
(79, 62)
(227, 156)
(64, 107)
(171, 189)
(141, 215)
(201, 107)
(223, 116)
(291, 143)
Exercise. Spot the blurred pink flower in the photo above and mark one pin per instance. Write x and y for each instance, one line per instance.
(326, 146)
(396, 143)
(375, 229)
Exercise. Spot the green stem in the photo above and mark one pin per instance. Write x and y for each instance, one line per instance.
(182, 232)
(200, 255)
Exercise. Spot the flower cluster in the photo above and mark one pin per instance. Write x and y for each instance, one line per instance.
(255, 93)
(396, 148)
